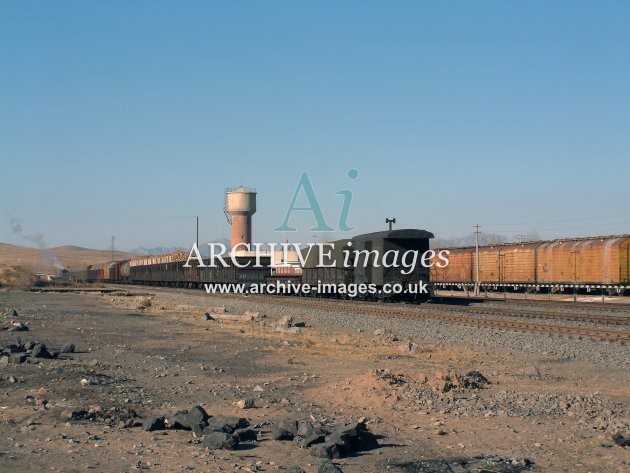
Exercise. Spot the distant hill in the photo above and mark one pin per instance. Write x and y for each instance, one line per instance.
(469, 240)
(51, 260)
(157, 250)
(160, 250)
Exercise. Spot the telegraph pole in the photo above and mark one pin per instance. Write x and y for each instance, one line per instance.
(476, 227)
(390, 221)
(197, 231)
(112, 247)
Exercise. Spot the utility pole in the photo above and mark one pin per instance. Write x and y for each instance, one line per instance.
(197, 231)
(112, 247)
(390, 221)
(476, 227)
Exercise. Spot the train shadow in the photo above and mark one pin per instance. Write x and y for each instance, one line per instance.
(459, 301)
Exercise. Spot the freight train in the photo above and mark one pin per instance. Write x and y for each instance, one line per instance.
(574, 264)
(360, 275)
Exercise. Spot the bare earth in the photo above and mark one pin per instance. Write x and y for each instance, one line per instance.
(165, 357)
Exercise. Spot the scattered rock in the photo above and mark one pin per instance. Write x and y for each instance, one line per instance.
(444, 381)
(345, 441)
(153, 423)
(40, 351)
(326, 450)
(68, 414)
(284, 430)
(245, 404)
(622, 439)
(67, 348)
(285, 324)
(388, 376)
(311, 434)
(440, 385)
(195, 419)
(19, 327)
(328, 467)
(286, 321)
(474, 465)
(475, 380)
(95, 410)
(360, 437)
(245, 435)
(219, 440)
(17, 358)
(226, 424)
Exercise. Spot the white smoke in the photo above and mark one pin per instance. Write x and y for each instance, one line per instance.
(37, 239)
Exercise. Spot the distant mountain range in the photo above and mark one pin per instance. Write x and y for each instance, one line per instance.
(469, 240)
(160, 250)
(157, 250)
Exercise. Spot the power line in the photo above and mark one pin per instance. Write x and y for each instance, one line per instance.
(476, 227)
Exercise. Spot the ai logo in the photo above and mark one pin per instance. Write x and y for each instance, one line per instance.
(305, 185)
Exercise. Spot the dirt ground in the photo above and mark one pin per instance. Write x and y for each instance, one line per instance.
(155, 360)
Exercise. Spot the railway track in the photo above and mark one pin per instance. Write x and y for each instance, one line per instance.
(551, 329)
(511, 325)
(394, 310)
(622, 307)
(512, 312)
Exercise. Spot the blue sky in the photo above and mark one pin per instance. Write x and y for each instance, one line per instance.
(130, 118)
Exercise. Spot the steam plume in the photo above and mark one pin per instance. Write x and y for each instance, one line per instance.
(37, 239)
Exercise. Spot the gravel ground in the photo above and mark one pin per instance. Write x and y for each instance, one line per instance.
(440, 397)
(523, 346)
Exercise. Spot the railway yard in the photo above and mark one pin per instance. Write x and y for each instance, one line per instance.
(489, 385)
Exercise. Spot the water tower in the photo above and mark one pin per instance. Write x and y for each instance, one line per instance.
(240, 205)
